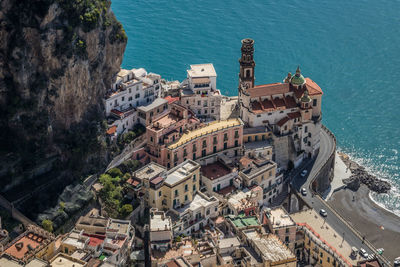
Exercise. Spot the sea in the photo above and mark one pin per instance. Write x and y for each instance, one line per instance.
(350, 48)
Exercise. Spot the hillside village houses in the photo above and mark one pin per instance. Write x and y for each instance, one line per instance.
(208, 188)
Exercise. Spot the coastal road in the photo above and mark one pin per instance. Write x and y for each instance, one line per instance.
(327, 145)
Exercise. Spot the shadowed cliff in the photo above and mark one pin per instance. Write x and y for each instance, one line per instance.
(57, 57)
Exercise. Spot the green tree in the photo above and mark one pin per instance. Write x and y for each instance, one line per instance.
(115, 172)
(126, 177)
(47, 225)
(126, 210)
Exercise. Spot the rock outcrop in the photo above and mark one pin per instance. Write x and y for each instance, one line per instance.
(360, 175)
(57, 58)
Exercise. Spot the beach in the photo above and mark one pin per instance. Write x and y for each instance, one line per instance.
(379, 226)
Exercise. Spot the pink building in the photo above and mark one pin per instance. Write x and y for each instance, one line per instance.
(179, 135)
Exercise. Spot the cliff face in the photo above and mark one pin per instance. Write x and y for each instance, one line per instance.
(57, 57)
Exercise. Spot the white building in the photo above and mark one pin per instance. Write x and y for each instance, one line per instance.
(200, 92)
(195, 215)
(160, 230)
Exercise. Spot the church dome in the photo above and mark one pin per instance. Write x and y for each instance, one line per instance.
(298, 78)
(305, 98)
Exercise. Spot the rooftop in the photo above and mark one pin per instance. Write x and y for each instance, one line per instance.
(258, 166)
(242, 200)
(199, 201)
(202, 70)
(96, 221)
(270, 246)
(228, 242)
(66, 261)
(160, 222)
(35, 263)
(156, 103)
(257, 144)
(255, 130)
(211, 127)
(242, 221)
(186, 249)
(119, 226)
(279, 218)
(313, 223)
(149, 171)
(215, 170)
(75, 239)
(181, 172)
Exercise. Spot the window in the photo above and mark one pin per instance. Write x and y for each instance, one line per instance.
(247, 73)
(137, 96)
(203, 153)
(130, 98)
(236, 143)
(194, 156)
(305, 129)
(215, 140)
(225, 137)
(214, 149)
(194, 148)
(287, 230)
(204, 143)
(199, 111)
(258, 115)
(208, 211)
(186, 198)
(205, 111)
(123, 98)
(276, 232)
(199, 103)
(212, 111)
(225, 145)
(321, 254)
(236, 134)
(314, 103)
(176, 193)
(328, 259)
(281, 111)
(159, 193)
(151, 139)
(194, 177)
(186, 188)
(216, 208)
(286, 239)
(256, 138)
(130, 90)
(194, 187)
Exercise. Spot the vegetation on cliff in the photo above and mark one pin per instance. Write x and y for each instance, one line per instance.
(57, 59)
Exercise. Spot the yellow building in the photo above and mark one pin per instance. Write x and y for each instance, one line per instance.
(166, 190)
(318, 243)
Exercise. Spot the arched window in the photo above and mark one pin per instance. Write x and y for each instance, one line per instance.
(247, 73)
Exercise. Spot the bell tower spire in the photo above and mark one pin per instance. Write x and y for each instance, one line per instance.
(247, 64)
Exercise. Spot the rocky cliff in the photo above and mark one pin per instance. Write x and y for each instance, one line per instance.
(57, 57)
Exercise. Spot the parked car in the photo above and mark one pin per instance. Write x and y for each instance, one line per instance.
(303, 191)
(323, 213)
(396, 262)
(303, 173)
(363, 253)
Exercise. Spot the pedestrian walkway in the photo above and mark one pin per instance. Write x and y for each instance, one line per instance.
(341, 172)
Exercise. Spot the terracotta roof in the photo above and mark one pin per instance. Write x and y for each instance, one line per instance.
(269, 89)
(283, 88)
(283, 121)
(171, 99)
(95, 240)
(294, 115)
(267, 104)
(157, 180)
(24, 246)
(172, 264)
(112, 130)
(117, 112)
(290, 102)
(279, 103)
(133, 182)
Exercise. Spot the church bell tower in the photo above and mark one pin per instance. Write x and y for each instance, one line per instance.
(247, 64)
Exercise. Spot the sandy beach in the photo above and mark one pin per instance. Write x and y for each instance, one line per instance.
(380, 227)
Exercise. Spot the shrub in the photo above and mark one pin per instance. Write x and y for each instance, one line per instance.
(47, 225)
(126, 210)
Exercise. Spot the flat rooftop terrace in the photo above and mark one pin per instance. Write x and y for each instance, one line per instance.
(215, 170)
(280, 218)
(242, 221)
(180, 172)
(271, 247)
(212, 127)
(149, 171)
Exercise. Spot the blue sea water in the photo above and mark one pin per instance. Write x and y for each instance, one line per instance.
(350, 48)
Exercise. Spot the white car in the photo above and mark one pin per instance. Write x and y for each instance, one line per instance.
(303, 173)
(303, 191)
(363, 253)
(323, 213)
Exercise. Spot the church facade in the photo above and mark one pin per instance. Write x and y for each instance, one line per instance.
(289, 110)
